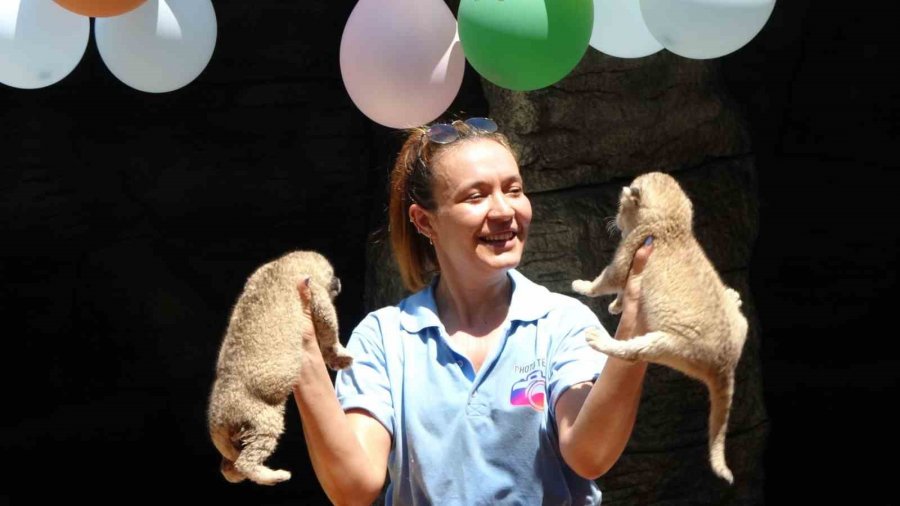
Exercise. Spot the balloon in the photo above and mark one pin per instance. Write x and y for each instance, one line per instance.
(401, 60)
(619, 30)
(40, 42)
(702, 29)
(161, 46)
(525, 44)
(100, 8)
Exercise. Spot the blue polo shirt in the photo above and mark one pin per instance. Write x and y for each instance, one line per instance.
(466, 438)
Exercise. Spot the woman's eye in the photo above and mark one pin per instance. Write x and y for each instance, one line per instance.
(473, 196)
(516, 190)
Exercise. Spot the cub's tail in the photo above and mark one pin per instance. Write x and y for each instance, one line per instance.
(720, 394)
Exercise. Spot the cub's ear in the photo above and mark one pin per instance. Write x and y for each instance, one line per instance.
(636, 194)
(632, 193)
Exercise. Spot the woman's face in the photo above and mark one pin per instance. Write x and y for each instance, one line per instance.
(482, 216)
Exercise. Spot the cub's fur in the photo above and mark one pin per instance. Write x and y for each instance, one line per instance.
(259, 361)
(695, 321)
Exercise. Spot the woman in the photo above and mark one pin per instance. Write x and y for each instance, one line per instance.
(479, 388)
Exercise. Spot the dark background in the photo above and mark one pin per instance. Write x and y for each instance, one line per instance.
(130, 222)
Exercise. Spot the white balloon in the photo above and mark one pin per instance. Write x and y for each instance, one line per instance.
(40, 42)
(161, 46)
(401, 60)
(619, 30)
(702, 29)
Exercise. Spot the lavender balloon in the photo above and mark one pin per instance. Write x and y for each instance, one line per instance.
(401, 60)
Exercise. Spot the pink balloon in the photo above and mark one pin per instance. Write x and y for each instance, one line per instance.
(401, 60)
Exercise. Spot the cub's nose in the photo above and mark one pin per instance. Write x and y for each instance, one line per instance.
(336, 285)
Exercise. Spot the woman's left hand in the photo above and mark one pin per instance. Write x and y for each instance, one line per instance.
(595, 421)
(632, 322)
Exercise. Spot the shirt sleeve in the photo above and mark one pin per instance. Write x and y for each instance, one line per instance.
(365, 384)
(572, 360)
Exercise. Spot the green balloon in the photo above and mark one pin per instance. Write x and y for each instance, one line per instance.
(525, 44)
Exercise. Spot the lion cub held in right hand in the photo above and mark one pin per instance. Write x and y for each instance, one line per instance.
(695, 320)
(260, 360)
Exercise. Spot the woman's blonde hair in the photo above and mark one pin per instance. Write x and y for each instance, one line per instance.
(412, 182)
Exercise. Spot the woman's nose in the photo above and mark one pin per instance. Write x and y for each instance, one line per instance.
(501, 208)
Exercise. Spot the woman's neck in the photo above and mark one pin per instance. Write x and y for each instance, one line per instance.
(474, 305)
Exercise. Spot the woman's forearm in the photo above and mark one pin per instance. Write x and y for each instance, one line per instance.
(604, 423)
(596, 421)
(341, 464)
(607, 418)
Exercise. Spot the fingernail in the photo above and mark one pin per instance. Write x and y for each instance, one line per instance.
(648, 241)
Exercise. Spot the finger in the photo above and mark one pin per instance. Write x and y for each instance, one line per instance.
(641, 257)
(305, 294)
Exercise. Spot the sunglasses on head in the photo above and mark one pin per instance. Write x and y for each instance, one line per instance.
(445, 133)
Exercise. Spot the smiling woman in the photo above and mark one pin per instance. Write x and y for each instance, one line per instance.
(474, 211)
(415, 197)
(482, 203)
(480, 365)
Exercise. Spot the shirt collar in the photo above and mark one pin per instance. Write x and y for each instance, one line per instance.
(528, 303)
(419, 310)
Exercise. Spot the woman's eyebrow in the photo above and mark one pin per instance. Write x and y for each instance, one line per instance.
(473, 183)
(478, 183)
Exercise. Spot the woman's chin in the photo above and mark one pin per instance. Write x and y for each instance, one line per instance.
(505, 260)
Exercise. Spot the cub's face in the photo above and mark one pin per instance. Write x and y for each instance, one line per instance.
(323, 275)
(334, 287)
(629, 201)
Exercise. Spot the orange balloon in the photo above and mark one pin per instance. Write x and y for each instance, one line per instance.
(100, 8)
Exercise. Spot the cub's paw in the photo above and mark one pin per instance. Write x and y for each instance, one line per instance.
(230, 473)
(734, 295)
(338, 359)
(271, 476)
(616, 306)
(595, 339)
(582, 286)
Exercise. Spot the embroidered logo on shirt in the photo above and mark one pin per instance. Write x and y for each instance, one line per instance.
(529, 391)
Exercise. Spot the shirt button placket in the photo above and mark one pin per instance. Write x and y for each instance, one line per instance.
(473, 407)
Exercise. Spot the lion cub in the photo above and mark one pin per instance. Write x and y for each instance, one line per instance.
(259, 361)
(695, 320)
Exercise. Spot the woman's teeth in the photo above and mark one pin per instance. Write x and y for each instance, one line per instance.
(499, 237)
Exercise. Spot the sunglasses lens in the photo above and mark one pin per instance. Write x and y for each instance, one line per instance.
(442, 133)
(484, 124)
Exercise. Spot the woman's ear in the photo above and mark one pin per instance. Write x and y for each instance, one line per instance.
(421, 219)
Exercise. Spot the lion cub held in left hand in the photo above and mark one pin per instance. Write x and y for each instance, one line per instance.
(695, 321)
(259, 361)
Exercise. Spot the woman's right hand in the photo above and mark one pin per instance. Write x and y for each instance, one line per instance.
(307, 327)
(349, 453)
